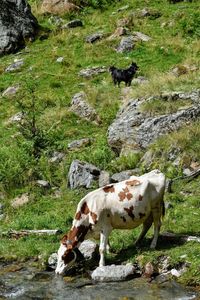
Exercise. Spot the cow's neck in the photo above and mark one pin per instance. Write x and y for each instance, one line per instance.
(75, 236)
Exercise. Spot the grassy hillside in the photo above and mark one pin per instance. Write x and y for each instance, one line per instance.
(51, 85)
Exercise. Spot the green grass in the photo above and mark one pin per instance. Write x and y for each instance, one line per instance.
(175, 41)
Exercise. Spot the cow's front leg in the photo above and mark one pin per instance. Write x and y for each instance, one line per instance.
(103, 245)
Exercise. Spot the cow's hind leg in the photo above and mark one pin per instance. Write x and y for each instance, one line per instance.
(103, 245)
(157, 223)
(146, 225)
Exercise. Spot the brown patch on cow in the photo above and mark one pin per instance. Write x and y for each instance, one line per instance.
(133, 182)
(109, 189)
(68, 256)
(129, 196)
(125, 194)
(78, 216)
(130, 212)
(122, 196)
(142, 215)
(140, 198)
(94, 217)
(85, 209)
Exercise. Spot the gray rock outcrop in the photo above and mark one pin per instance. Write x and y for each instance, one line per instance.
(17, 23)
(113, 273)
(79, 143)
(58, 7)
(93, 37)
(82, 174)
(134, 129)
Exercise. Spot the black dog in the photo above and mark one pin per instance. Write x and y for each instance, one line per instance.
(125, 75)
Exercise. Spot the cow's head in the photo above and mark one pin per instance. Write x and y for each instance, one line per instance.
(66, 257)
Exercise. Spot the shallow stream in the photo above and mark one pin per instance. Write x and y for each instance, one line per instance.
(24, 282)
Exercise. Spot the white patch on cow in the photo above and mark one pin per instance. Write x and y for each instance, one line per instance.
(60, 263)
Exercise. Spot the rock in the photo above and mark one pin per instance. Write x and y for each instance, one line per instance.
(80, 107)
(60, 59)
(187, 172)
(89, 249)
(82, 174)
(175, 273)
(10, 91)
(148, 270)
(126, 44)
(147, 158)
(124, 175)
(56, 20)
(16, 118)
(58, 7)
(73, 24)
(183, 69)
(52, 261)
(113, 273)
(104, 178)
(118, 32)
(16, 24)
(20, 201)
(93, 37)
(138, 36)
(144, 13)
(57, 157)
(125, 7)
(15, 66)
(125, 22)
(137, 130)
(195, 166)
(79, 143)
(153, 14)
(89, 72)
(43, 184)
(140, 80)
(164, 264)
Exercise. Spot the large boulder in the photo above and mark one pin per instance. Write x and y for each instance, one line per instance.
(17, 23)
(134, 129)
(58, 7)
(113, 273)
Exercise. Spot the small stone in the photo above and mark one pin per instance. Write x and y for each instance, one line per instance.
(79, 143)
(187, 172)
(89, 72)
(148, 270)
(175, 273)
(52, 260)
(16, 118)
(139, 36)
(93, 37)
(20, 201)
(73, 24)
(43, 184)
(89, 249)
(60, 59)
(57, 157)
(15, 66)
(126, 44)
(10, 91)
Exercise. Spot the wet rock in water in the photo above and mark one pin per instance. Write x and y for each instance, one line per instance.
(93, 37)
(52, 261)
(10, 91)
(18, 63)
(21, 200)
(113, 273)
(126, 44)
(73, 24)
(80, 106)
(82, 174)
(79, 143)
(104, 178)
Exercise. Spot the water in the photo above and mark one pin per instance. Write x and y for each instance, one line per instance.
(25, 282)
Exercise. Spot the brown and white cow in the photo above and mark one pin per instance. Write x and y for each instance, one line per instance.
(123, 205)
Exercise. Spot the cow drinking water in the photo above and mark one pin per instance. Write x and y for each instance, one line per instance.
(123, 205)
